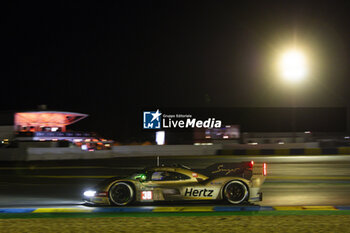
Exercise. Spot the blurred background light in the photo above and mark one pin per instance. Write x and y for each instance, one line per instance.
(160, 137)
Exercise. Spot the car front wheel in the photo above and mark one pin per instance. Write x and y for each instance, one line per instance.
(121, 194)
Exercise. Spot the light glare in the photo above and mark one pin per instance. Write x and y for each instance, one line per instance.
(293, 66)
(160, 137)
(89, 193)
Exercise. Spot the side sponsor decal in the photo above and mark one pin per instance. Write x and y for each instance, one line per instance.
(226, 170)
(191, 192)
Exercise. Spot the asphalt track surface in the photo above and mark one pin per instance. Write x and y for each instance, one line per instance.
(292, 180)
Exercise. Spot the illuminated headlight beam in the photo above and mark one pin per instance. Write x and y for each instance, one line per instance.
(89, 193)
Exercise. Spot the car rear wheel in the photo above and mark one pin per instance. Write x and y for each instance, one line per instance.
(121, 193)
(235, 192)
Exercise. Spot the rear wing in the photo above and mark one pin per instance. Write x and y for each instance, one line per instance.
(244, 169)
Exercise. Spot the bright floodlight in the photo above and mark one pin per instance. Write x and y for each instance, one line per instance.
(293, 66)
(160, 137)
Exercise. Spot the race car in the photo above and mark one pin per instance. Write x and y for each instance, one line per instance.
(235, 183)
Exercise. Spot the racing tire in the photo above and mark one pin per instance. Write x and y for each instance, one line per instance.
(121, 194)
(235, 192)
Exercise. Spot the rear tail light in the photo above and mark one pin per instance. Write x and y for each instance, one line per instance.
(251, 164)
(264, 169)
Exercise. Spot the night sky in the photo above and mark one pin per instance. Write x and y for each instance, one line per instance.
(112, 59)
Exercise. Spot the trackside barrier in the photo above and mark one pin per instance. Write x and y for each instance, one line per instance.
(33, 154)
(292, 151)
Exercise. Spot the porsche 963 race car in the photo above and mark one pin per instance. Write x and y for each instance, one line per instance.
(235, 183)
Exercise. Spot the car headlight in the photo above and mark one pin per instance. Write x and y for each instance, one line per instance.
(89, 193)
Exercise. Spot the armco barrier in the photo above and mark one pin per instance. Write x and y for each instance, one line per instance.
(344, 150)
(67, 153)
(297, 151)
(167, 150)
(32, 154)
(267, 152)
(281, 151)
(292, 151)
(312, 151)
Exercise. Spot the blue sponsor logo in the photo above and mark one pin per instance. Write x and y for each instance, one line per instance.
(151, 120)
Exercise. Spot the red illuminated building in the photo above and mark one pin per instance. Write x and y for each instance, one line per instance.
(51, 126)
(45, 121)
